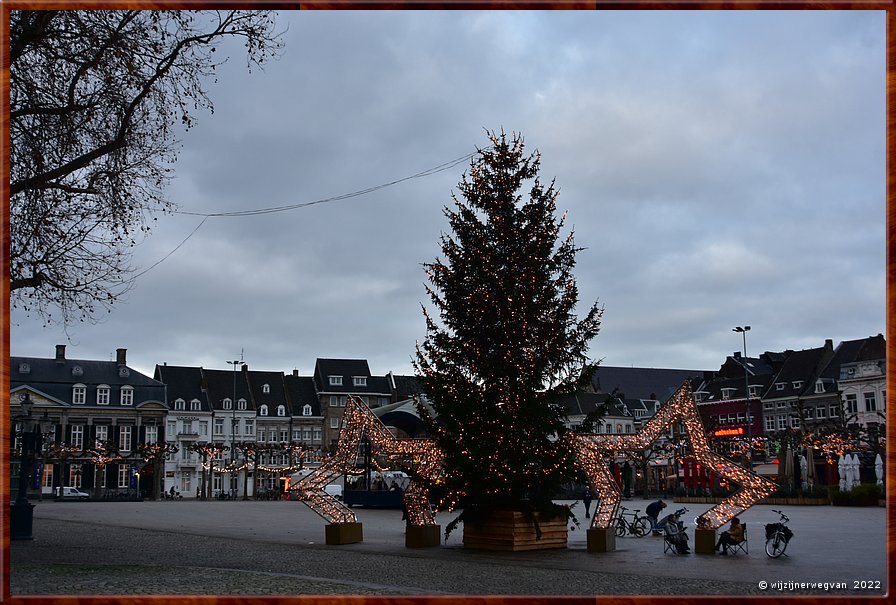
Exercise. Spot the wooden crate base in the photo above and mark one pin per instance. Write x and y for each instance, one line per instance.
(705, 541)
(344, 533)
(509, 530)
(601, 540)
(422, 536)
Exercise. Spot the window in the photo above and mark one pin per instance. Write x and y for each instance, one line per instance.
(185, 482)
(47, 480)
(284, 435)
(834, 410)
(820, 412)
(306, 434)
(272, 435)
(188, 427)
(79, 393)
(618, 428)
(335, 381)
(852, 406)
(261, 435)
(281, 410)
(317, 435)
(754, 390)
(124, 473)
(124, 438)
(263, 410)
(241, 404)
(185, 455)
(797, 384)
(781, 404)
(740, 418)
(195, 405)
(171, 429)
(127, 395)
(779, 386)
(782, 423)
(179, 404)
(265, 388)
(359, 381)
(296, 435)
(334, 401)
(306, 410)
(726, 393)
(768, 405)
(228, 403)
(870, 402)
(152, 435)
(385, 401)
(342, 401)
(819, 387)
(250, 426)
(334, 422)
(78, 436)
(219, 427)
(609, 428)
(795, 422)
(102, 432)
(102, 394)
(769, 424)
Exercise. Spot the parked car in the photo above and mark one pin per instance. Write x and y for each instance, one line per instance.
(71, 493)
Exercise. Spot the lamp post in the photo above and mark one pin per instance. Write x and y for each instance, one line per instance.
(233, 363)
(21, 512)
(743, 330)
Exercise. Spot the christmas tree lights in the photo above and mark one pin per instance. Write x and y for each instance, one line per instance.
(358, 421)
(593, 452)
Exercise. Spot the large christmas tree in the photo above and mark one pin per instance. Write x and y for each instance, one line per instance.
(508, 345)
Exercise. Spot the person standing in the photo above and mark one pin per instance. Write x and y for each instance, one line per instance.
(653, 511)
(586, 500)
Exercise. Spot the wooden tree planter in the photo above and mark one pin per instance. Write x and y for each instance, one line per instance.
(509, 530)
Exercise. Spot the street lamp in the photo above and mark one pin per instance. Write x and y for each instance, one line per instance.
(743, 330)
(21, 513)
(234, 363)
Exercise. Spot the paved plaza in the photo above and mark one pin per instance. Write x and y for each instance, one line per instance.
(277, 548)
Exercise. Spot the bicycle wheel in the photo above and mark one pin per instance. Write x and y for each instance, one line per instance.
(620, 527)
(641, 527)
(775, 546)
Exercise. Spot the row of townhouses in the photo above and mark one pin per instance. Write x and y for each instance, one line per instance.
(239, 432)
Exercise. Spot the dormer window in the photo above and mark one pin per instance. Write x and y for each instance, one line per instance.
(241, 404)
(127, 395)
(797, 384)
(102, 394)
(263, 410)
(24, 368)
(359, 381)
(335, 381)
(306, 410)
(819, 387)
(265, 388)
(195, 405)
(228, 403)
(779, 386)
(281, 410)
(79, 393)
(179, 404)
(726, 393)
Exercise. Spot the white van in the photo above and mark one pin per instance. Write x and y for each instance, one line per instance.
(334, 489)
(71, 493)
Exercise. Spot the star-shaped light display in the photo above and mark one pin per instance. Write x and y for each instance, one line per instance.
(593, 452)
(359, 421)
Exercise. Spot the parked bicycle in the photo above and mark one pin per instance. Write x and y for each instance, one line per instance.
(777, 536)
(639, 525)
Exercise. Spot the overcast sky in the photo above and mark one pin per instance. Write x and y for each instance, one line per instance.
(720, 168)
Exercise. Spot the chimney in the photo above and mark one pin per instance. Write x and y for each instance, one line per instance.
(245, 367)
(121, 357)
(60, 353)
(829, 343)
(295, 372)
(737, 354)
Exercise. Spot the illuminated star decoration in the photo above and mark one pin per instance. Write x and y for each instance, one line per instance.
(592, 451)
(359, 421)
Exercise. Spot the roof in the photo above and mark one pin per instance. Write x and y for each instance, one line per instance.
(55, 378)
(348, 370)
(226, 384)
(183, 383)
(799, 372)
(642, 383)
(300, 392)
